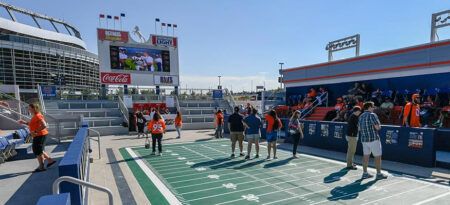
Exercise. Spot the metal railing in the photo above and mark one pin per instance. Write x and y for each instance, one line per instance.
(41, 99)
(177, 103)
(230, 99)
(124, 110)
(15, 104)
(319, 101)
(13, 114)
(72, 180)
(98, 140)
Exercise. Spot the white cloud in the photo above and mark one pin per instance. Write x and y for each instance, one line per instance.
(235, 83)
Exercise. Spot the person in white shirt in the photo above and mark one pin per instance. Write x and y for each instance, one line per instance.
(149, 61)
(158, 61)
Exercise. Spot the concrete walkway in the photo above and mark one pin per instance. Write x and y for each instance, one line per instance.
(20, 186)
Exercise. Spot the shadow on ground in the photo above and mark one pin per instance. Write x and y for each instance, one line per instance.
(335, 176)
(350, 191)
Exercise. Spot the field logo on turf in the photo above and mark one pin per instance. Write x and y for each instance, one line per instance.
(200, 169)
(251, 197)
(313, 171)
(190, 163)
(213, 176)
(229, 186)
(174, 154)
(181, 158)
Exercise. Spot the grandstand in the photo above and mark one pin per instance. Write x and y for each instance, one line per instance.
(38, 49)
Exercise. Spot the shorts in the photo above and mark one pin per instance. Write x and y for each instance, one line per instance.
(254, 137)
(38, 145)
(373, 147)
(272, 136)
(234, 136)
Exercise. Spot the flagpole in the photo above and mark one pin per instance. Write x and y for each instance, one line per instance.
(156, 32)
(99, 22)
(114, 23)
(120, 21)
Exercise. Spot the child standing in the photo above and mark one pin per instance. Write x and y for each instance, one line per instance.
(140, 122)
(157, 127)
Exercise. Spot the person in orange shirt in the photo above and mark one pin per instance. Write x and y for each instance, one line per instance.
(178, 124)
(411, 112)
(157, 128)
(39, 132)
(219, 124)
(273, 127)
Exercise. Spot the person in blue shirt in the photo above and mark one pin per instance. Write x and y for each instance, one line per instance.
(253, 124)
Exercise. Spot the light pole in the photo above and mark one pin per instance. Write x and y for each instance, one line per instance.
(219, 87)
(281, 74)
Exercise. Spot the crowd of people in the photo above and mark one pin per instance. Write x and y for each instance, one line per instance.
(421, 108)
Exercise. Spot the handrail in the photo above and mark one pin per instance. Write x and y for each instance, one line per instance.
(21, 116)
(98, 141)
(178, 103)
(124, 110)
(309, 110)
(22, 107)
(55, 186)
(41, 99)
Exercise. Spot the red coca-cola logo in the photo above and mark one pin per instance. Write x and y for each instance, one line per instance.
(116, 78)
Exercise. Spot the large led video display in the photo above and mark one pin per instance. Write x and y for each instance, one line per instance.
(139, 59)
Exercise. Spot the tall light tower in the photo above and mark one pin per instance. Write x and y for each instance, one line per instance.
(280, 80)
(219, 87)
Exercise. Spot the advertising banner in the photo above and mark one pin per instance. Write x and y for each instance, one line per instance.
(112, 35)
(217, 94)
(48, 90)
(164, 80)
(164, 41)
(115, 78)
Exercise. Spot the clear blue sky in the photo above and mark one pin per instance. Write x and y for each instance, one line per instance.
(243, 40)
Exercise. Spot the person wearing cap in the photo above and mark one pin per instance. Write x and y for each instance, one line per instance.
(296, 131)
(236, 127)
(352, 136)
(411, 112)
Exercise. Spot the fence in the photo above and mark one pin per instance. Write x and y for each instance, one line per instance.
(75, 163)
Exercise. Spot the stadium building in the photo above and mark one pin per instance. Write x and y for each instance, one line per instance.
(37, 49)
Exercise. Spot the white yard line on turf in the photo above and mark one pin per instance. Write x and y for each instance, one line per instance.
(253, 170)
(239, 171)
(263, 187)
(242, 176)
(260, 180)
(417, 188)
(324, 190)
(170, 197)
(431, 199)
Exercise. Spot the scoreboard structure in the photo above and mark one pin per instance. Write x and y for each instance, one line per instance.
(124, 61)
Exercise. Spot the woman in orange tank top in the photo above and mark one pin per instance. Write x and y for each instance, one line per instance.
(39, 132)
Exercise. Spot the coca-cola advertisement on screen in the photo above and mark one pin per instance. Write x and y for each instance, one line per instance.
(115, 78)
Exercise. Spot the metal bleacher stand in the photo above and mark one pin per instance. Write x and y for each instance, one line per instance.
(74, 173)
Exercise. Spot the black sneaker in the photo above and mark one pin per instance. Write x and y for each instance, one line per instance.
(247, 157)
(381, 176)
(241, 154)
(353, 167)
(366, 175)
(232, 156)
(257, 156)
